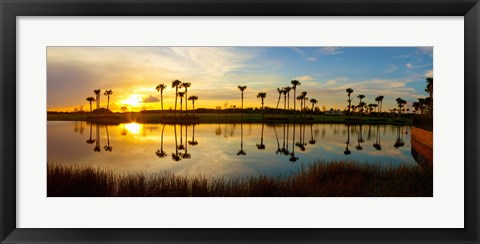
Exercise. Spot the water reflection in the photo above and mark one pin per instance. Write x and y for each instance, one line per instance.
(223, 150)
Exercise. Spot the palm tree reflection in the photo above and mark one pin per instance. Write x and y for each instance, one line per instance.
(312, 140)
(241, 152)
(278, 142)
(377, 144)
(359, 139)
(107, 147)
(399, 141)
(261, 146)
(186, 155)
(176, 156)
(97, 147)
(292, 155)
(347, 151)
(193, 142)
(160, 153)
(90, 140)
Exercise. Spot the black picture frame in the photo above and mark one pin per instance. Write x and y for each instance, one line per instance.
(10, 9)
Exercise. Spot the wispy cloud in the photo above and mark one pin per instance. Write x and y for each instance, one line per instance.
(390, 68)
(304, 78)
(411, 66)
(330, 50)
(429, 73)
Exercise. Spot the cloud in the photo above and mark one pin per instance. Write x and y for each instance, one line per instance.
(409, 66)
(304, 78)
(330, 50)
(429, 73)
(425, 50)
(331, 82)
(150, 99)
(312, 59)
(390, 68)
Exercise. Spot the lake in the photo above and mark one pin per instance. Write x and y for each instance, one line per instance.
(224, 150)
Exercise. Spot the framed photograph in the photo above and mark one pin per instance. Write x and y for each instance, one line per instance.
(224, 121)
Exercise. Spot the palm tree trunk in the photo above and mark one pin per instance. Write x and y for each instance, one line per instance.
(90, 106)
(108, 101)
(278, 102)
(241, 113)
(193, 104)
(186, 102)
(161, 101)
(176, 95)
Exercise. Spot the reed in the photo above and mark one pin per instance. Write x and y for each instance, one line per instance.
(321, 179)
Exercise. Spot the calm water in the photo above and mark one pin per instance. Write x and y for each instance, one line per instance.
(224, 149)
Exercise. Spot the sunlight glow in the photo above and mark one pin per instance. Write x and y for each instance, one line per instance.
(133, 100)
(133, 128)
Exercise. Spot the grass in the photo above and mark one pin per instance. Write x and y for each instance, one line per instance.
(156, 117)
(321, 179)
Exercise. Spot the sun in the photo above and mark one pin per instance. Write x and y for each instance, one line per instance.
(132, 101)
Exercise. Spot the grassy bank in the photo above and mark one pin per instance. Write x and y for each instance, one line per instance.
(331, 179)
(117, 118)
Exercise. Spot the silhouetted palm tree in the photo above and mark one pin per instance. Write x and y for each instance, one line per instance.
(287, 90)
(160, 89)
(108, 93)
(361, 96)
(262, 96)
(193, 99)
(359, 139)
(176, 84)
(399, 141)
(416, 106)
(401, 103)
(280, 92)
(313, 101)
(242, 88)
(379, 100)
(186, 85)
(241, 152)
(97, 97)
(90, 99)
(107, 147)
(429, 89)
(160, 153)
(181, 146)
(349, 91)
(181, 94)
(261, 146)
(295, 83)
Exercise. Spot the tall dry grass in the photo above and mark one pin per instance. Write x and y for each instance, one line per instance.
(321, 179)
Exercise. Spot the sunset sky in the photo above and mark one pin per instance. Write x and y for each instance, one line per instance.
(132, 73)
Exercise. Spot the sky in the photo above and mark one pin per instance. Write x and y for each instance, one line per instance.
(132, 73)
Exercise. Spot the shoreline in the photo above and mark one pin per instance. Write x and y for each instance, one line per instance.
(203, 118)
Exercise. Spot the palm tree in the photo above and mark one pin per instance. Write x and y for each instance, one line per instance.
(90, 99)
(175, 155)
(287, 91)
(242, 88)
(377, 144)
(300, 98)
(313, 101)
(97, 97)
(361, 96)
(97, 147)
(280, 92)
(193, 142)
(302, 103)
(181, 94)
(422, 102)
(262, 96)
(429, 89)
(193, 99)
(186, 85)
(186, 154)
(160, 89)
(295, 83)
(347, 151)
(370, 107)
(379, 100)
(401, 103)
(108, 93)
(292, 155)
(176, 84)
(349, 91)
(416, 106)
